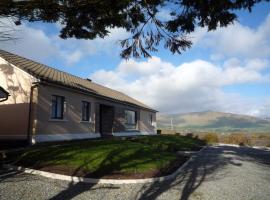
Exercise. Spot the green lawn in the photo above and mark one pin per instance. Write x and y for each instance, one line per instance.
(102, 157)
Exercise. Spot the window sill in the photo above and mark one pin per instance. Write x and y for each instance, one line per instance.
(88, 122)
(132, 130)
(58, 120)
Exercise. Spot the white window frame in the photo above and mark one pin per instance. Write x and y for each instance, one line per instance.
(54, 113)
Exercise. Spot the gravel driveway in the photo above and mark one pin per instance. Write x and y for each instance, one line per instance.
(221, 172)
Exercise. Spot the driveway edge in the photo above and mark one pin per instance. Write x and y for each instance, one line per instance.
(101, 181)
(236, 145)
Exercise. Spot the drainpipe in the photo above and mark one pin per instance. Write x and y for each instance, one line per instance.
(29, 129)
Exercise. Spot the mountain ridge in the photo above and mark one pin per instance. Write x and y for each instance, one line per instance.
(213, 121)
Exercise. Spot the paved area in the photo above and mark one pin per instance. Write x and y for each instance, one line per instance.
(12, 144)
(222, 172)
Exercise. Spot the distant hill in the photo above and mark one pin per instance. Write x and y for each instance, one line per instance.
(213, 121)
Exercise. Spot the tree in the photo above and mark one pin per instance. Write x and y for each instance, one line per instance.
(89, 19)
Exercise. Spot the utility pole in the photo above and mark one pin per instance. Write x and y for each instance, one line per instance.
(171, 123)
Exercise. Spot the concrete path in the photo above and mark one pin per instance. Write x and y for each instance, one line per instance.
(222, 172)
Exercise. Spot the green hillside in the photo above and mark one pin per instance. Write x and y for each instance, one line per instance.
(213, 121)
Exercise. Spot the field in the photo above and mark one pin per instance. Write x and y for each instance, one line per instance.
(242, 138)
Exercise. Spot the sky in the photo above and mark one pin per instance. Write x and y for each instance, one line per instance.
(226, 70)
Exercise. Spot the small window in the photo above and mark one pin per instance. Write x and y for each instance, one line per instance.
(131, 121)
(85, 111)
(151, 119)
(57, 107)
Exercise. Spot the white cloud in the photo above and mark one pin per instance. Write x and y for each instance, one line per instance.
(73, 57)
(34, 43)
(236, 40)
(261, 109)
(31, 43)
(108, 45)
(144, 68)
(193, 86)
(216, 57)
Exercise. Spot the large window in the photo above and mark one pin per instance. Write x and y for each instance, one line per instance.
(131, 120)
(86, 106)
(57, 107)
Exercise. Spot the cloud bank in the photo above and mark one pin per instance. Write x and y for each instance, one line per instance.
(189, 87)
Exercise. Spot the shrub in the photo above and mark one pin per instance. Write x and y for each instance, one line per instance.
(211, 138)
(239, 138)
(189, 135)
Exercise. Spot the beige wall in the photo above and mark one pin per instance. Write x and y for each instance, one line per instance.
(72, 113)
(15, 111)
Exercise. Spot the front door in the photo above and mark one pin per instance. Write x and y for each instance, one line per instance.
(106, 120)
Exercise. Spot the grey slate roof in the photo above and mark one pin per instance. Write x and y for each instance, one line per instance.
(49, 74)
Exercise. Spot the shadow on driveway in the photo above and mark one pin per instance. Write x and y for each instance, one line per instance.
(204, 168)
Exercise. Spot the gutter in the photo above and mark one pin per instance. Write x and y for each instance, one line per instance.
(29, 132)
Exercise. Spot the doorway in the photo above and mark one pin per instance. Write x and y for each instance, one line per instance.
(106, 120)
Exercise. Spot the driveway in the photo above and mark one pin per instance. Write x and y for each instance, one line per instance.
(221, 172)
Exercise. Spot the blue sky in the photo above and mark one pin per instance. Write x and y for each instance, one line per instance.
(226, 70)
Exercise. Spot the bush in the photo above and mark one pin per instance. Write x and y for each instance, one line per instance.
(210, 138)
(239, 138)
(189, 135)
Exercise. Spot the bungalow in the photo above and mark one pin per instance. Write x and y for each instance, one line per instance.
(46, 104)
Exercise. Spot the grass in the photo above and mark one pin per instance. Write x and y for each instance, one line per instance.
(101, 157)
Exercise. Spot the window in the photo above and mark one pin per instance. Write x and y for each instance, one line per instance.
(85, 111)
(130, 117)
(57, 107)
(151, 119)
